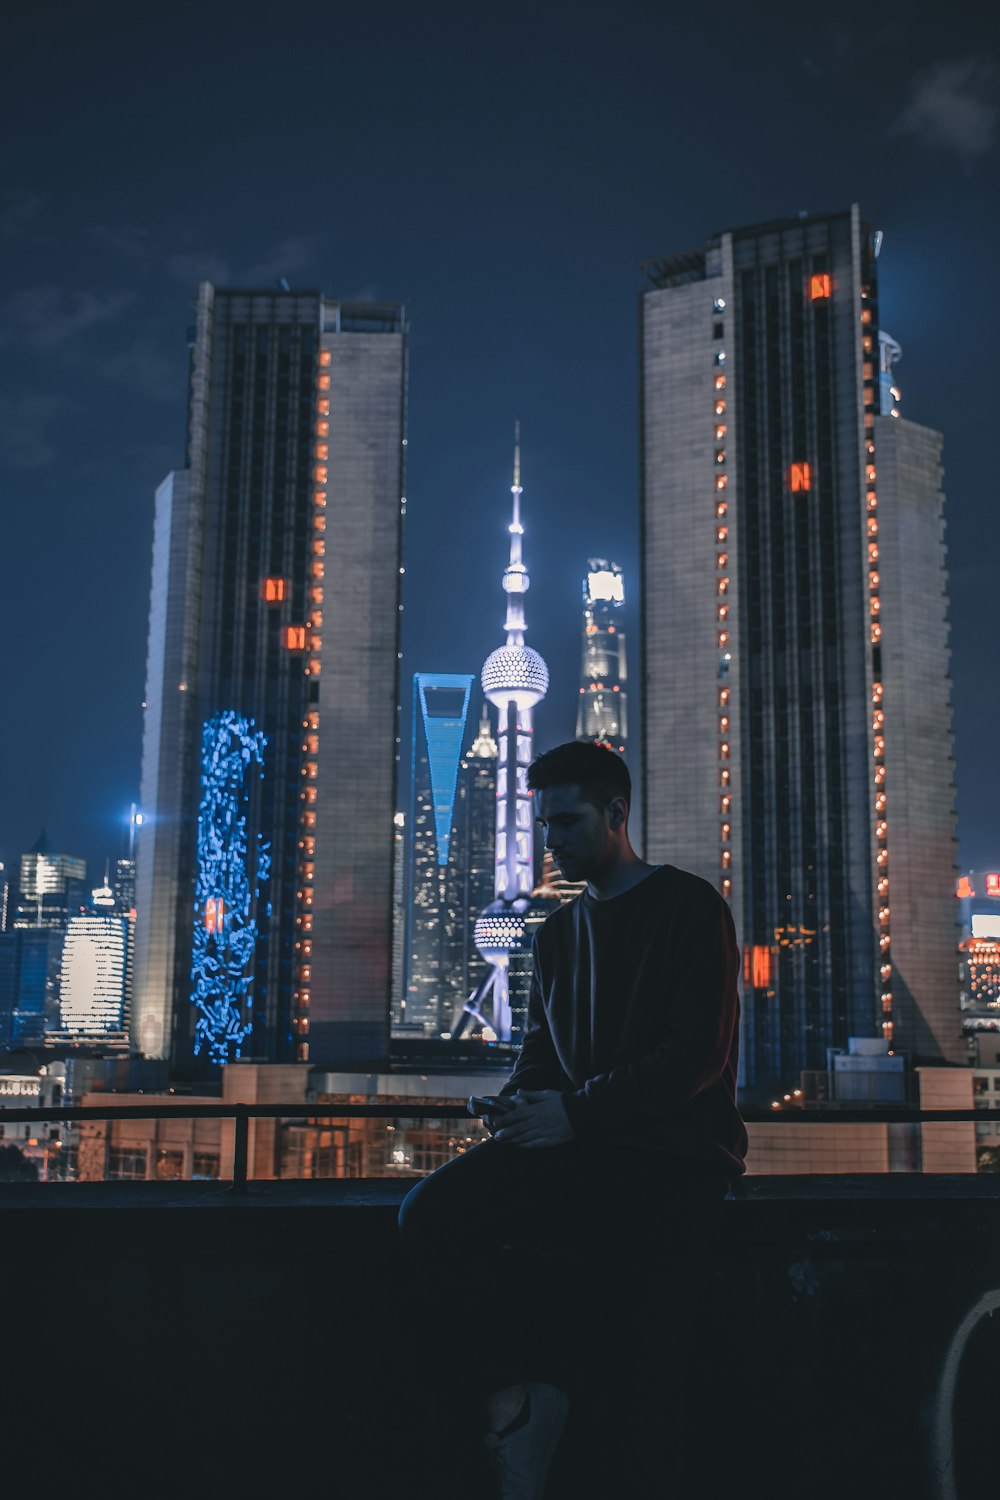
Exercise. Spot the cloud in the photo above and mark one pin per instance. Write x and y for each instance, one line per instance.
(129, 241)
(25, 420)
(953, 106)
(290, 255)
(19, 214)
(144, 367)
(46, 317)
(198, 265)
(293, 254)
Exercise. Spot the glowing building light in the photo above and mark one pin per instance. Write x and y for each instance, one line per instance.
(820, 287)
(227, 888)
(800, 478)
(274, 590)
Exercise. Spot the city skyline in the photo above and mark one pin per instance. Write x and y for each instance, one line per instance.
(102, 255)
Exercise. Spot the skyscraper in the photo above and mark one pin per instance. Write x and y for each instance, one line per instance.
(436, 949)
(264, 879)
(93, 999)
(515, 679)
(52, 887)
(795, 664)
(603, 713)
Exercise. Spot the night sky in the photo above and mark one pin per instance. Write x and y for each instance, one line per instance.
(503, 170)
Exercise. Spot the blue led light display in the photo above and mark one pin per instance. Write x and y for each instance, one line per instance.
(227, 887)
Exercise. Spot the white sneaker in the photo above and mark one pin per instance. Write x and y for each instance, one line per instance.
(521, 1460)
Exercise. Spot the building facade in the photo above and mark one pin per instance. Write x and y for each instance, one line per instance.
(602, 717)
(436, 945)
(791, 680)
(264, 859)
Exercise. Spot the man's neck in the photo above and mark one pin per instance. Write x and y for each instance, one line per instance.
(620, 876)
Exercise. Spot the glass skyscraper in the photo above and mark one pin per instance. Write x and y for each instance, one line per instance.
(603, 713)
(797, 722)
(264, 859)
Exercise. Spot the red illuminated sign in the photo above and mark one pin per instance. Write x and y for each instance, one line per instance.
(993, 884)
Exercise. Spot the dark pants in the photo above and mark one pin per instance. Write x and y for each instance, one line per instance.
(536, 1264)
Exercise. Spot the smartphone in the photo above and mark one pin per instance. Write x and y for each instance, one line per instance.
(489, 1107)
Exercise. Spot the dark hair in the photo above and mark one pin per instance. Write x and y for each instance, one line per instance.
(600, 774)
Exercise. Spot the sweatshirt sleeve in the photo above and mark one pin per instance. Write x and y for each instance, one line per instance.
(691, 1037)
(537, 1066)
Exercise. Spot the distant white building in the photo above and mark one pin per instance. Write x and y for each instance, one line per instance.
(93, 992)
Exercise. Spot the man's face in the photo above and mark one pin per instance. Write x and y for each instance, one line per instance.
(578, 833)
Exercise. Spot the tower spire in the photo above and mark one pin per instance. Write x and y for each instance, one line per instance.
(515, 579)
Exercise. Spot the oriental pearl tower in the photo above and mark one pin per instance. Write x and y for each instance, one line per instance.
(514, 679)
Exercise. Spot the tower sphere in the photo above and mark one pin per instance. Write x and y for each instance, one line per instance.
(499, 928)
(515, 672)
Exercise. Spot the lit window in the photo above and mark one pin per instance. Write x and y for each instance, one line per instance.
(760, 966)
(720, 382)
(879, 775)
(876, 634)
(727, 859)
(324, 356)
(274, 590)
(873, 552)
(720, 358)
(819, 287)
(721, 481)
(319, 546)
(721, 559)
(720, 432)
(869, 473)
(319, 474)
(725, 776)
(295, 637)
(721, 508)
(323, 406)
(874, 605)
(723, 697)
(323, 381)
(724, 724)
(866, 315)
(723, 637)
(719, 304)
(725, 803)
(721, 533)
(727, 886)
(720, 407)
(317, 570)
(319, 523)
(725, 829)
(722, 586)
(872, 526)
(319, 498)
(800, 477)
(323, 450)
(867, 370)
(724, 750)
(322, 429)
(720, 456)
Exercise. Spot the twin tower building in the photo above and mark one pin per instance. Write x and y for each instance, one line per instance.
(795, 742)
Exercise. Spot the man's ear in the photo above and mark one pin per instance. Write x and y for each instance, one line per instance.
(618, 813)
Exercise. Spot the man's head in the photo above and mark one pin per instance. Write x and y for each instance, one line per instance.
(583, 793)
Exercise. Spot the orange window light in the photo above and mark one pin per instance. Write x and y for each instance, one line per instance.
(323, 381)
(800, 477)
(215, 911)
(820, 287)
(324, 356)
(993, 883)
(760, 965)
(274, 590)
(295, 637)
(720, 382)
(323, 406)
(323, 450)
(322, 429)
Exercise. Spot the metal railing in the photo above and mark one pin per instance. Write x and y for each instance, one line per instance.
(242, 1114)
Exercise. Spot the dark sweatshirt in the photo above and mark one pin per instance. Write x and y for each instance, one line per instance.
(634, 1017)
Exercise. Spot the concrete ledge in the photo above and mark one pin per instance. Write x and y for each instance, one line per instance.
(832, 1334)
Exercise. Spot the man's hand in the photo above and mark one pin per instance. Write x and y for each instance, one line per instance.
(538, 1118)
